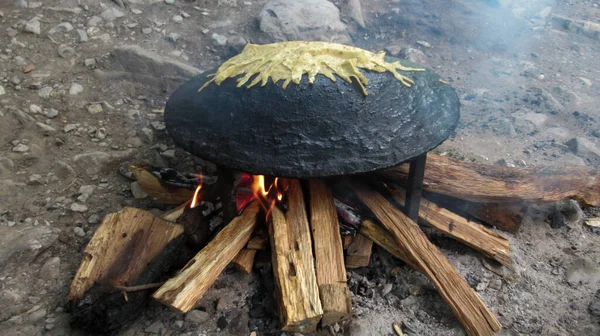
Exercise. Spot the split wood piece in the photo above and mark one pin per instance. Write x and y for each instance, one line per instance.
(469, 233)
(121, 249)
(157, 191)
(174, 214)
(244, 260)
(259, 241)
(182, 291)
(485, 183)
(473, 314)
(329, 255)
(358, 253)
(505, 217)
(383, 238)
(297, 292)
(346, 241)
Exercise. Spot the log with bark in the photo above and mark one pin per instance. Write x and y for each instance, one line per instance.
(483, 183)
(329, 255)
(473, 314)
(297, 290)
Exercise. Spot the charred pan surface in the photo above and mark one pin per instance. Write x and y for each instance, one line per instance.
(313, 130)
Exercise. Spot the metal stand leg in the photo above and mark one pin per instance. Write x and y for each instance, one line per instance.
(414, 188)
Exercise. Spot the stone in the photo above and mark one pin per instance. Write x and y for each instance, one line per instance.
(79, 231)
(196, 316)
(75, 89)
(387, 289)
(503, 126)
(146, 31)
(33, 26)
(45, 92)
(100, 133)
(35, 108)
(82, 34)
(158, 125)
(63, 27)
(169, 154)
(20, 148)
(222, 322)
(6, 165)
(64, 170)
(94, 219)
(526, 122)
(393, 50)
(238, 322)
(147, 135)
(173, 37)
(156, 328)
(309, 20)
(566, 213)
(51, 113)
(137, 191)
(96, 162)
(585, 81)
(89, 62)
(583, 147)
(169, 2)
(76, 207)
(220, 24)
(93, 21)
(236, 43)
(51, 269)
(65, 51)
(219, 40)
(21, 245)
(353, 10)
(70, 127)
(150, 68)
(23, 118)
(46, 129)
(583, 271)
(36, 179)
(136, 11)
(94, 108)
(2, 90)
(111, 14)
(177, 19)
(37, 315)
(85, 191)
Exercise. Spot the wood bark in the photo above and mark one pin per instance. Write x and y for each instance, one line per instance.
(245, 260)
(474, 235)
(182, 291)
(473, 314)
(483, 183)
(297, 291)
(121, 249)
(329, 255)
(358, 253)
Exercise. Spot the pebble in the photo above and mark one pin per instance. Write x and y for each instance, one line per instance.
(33, 26)
(46, 129)
(20, 148)
(158, 125)
(94, 219)
(136, 11)
(179, 324)
(146, 31)
(85, 192)
(219, 40)
(424, 44)
(495, 284)
(51, 113)
(51, 269)
(36, 179)
(222, 322)
(79, 207)
(83, 36)
(100, 133)
(37, 315)
(156, 328)
(79, 231)
(89, 62)
(45, 92)
(147, 135)
(65, 51)
(168, 154)
(75, 89)
(63, 27)
(70, 127)
(93, 21)
(196, 316)
(2, 91)
(35, 108)
(137, 191)
(111, 14)
(177, 19)
(585, 81)
(173, 37)
(94, 108)
(169, 2)
(387, 289)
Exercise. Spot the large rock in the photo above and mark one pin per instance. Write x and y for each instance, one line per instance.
(310, 130)
(583, 147)
(309, 20)
(22, 245)
(151, 68)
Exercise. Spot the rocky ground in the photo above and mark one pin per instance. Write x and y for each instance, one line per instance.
(83, 84)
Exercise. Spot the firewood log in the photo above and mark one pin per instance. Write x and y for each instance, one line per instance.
(358, 253)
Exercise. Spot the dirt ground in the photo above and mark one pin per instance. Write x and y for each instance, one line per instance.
(72, 115)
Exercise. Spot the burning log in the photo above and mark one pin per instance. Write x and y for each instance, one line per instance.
(484, 183)
(245, 260)
(182, 291)
(473, 314)
(469, 233)
(329, 255)
(129, 248)
(359, 251)
(297, 290)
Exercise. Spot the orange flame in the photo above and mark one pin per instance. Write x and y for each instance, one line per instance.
(267, 197)
(195, 200)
